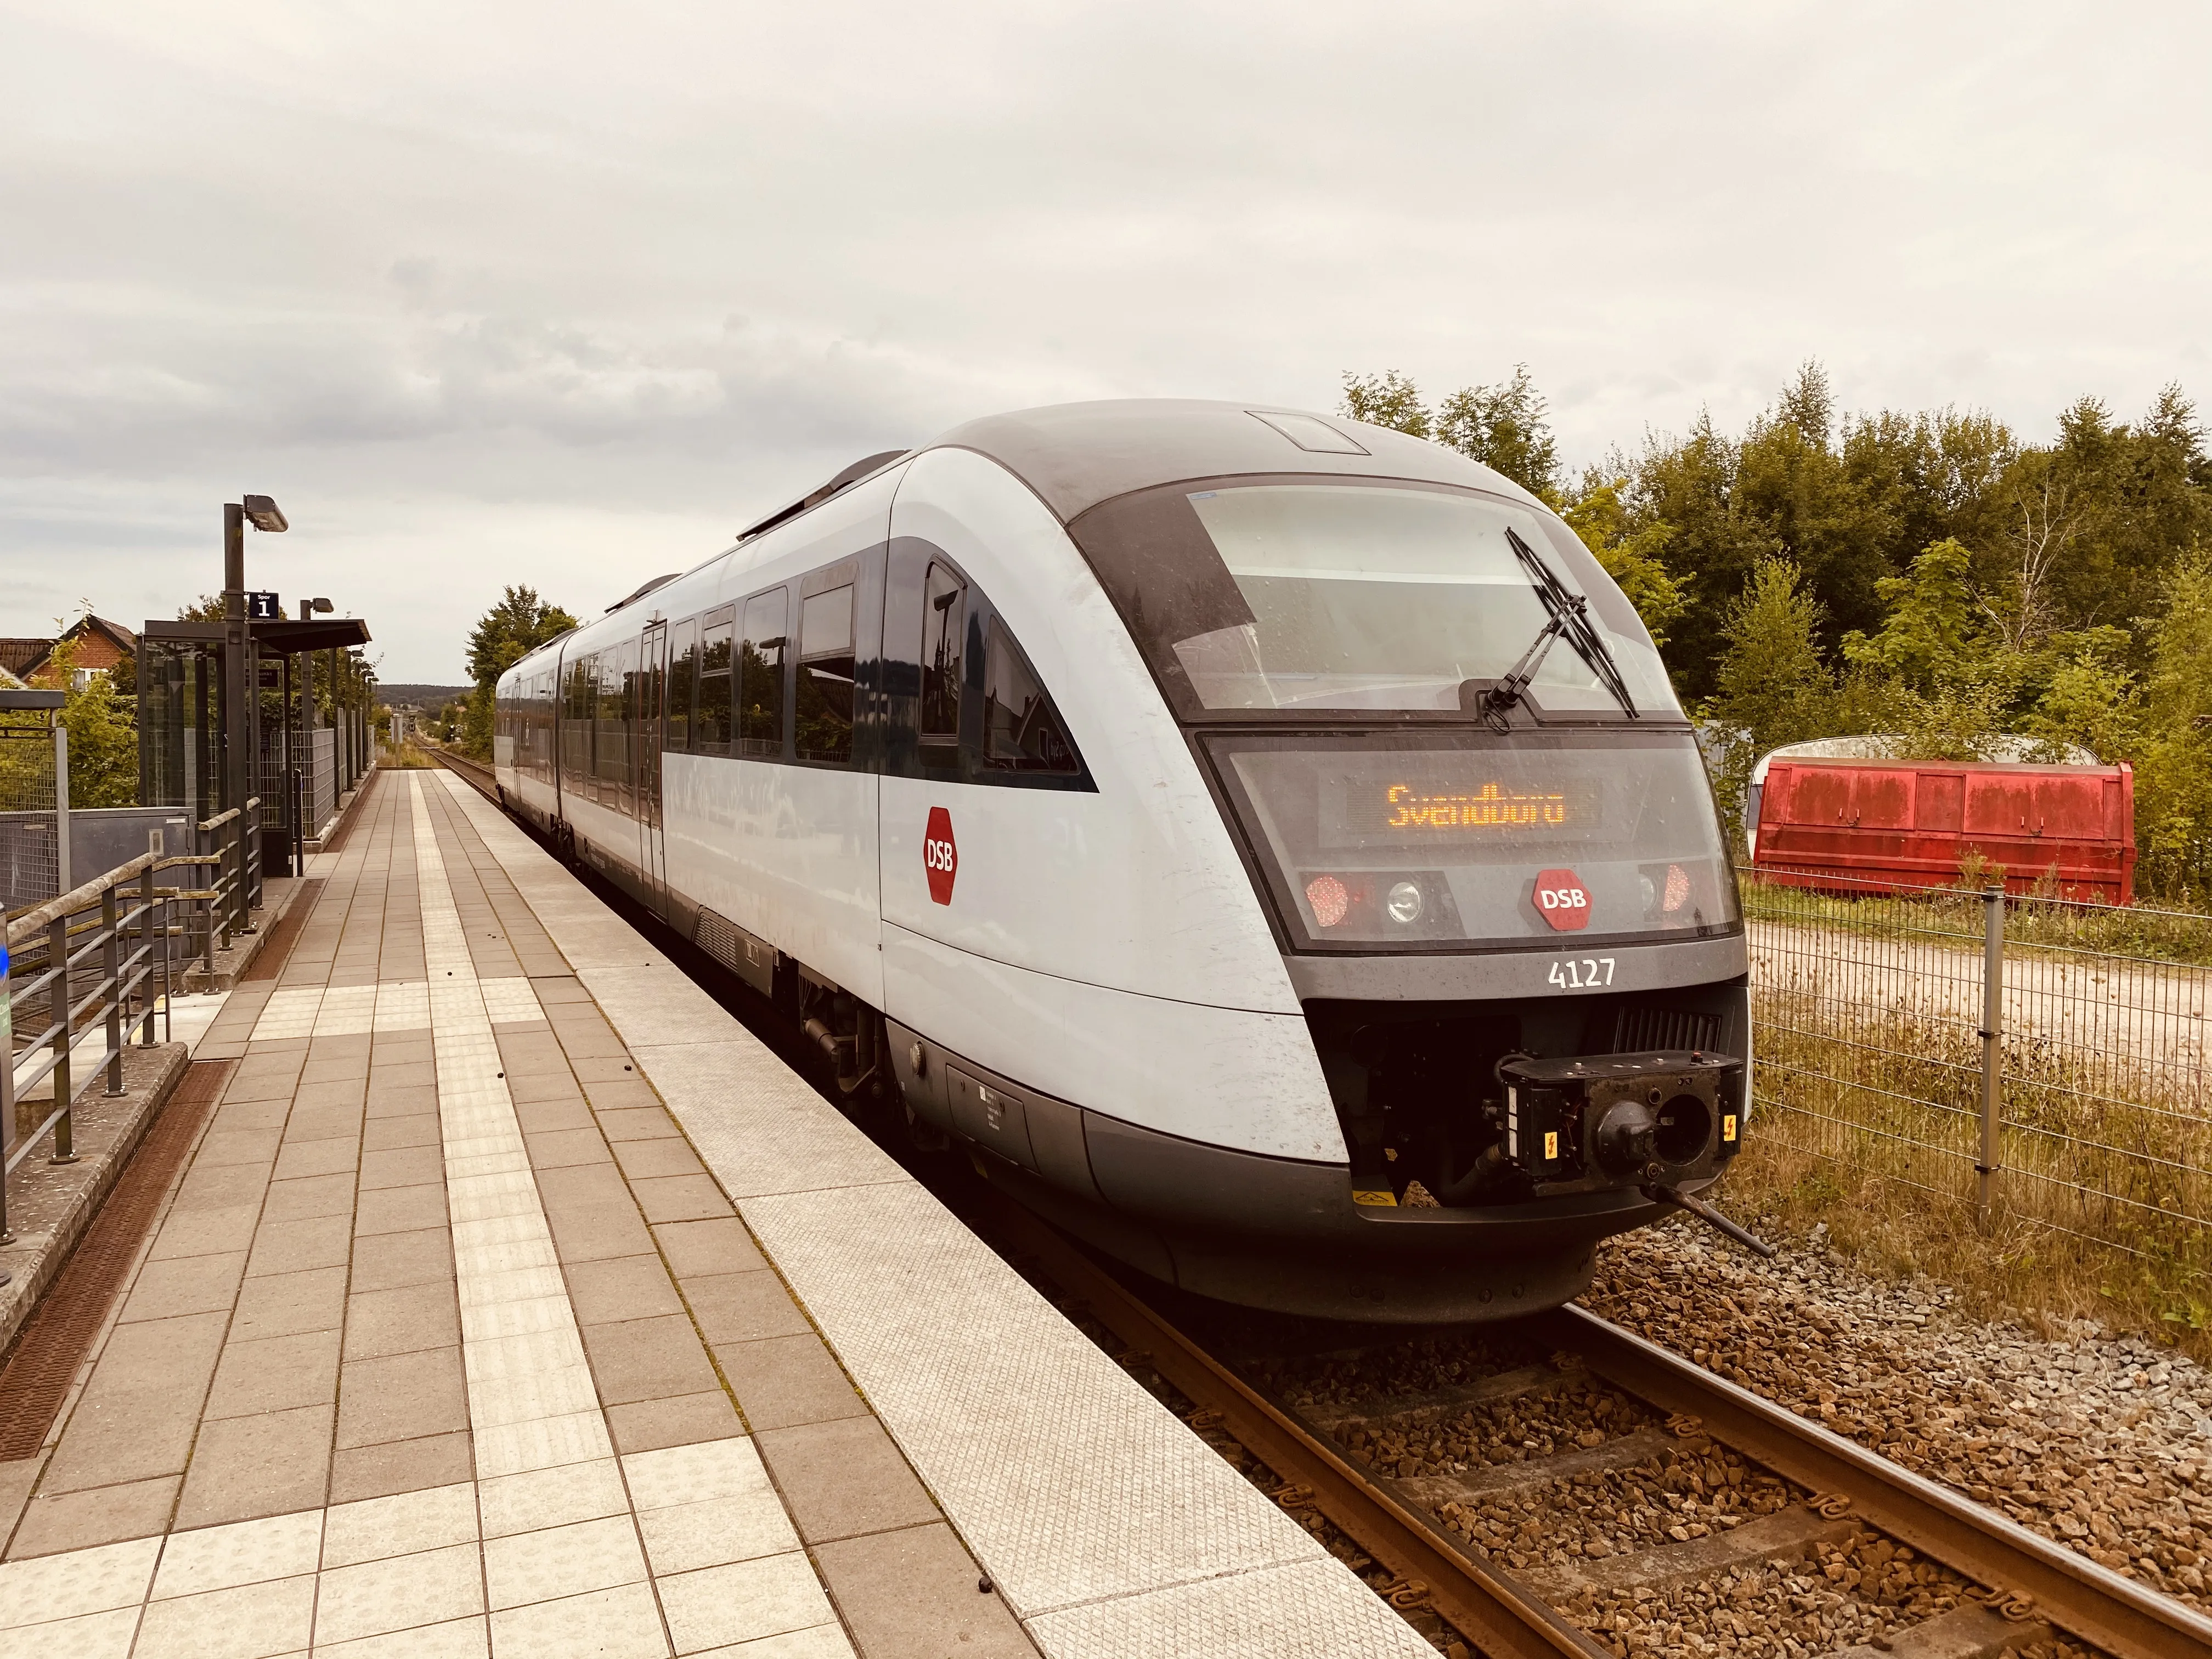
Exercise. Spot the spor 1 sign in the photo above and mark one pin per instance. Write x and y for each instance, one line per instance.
(940, 855)
(1562, 900)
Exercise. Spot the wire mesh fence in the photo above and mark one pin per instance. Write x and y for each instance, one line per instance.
(2039, 1058)
(31, 822)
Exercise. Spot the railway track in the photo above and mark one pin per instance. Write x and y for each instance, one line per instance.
(1818, 1498)
(482, 777)
(1819, 1503)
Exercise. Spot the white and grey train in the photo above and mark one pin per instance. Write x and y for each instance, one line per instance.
(1269, 844)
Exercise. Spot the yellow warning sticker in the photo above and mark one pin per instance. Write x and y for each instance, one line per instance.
(1384, 1198)
(1727, 1125)
(1551, 1144)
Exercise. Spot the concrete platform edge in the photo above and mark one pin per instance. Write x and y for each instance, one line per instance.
(230, 965)
(37, 1260)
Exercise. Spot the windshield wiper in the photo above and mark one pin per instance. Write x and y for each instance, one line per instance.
(1570, 614)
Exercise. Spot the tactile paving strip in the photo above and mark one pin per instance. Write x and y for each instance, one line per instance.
(54, 1344)
(1065, 1476)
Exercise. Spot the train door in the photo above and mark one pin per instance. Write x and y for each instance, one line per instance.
(645, 738)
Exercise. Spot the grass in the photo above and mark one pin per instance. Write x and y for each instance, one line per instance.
(1868, 1120)
(408, 758)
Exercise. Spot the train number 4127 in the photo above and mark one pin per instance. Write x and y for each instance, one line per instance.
(1583, 973)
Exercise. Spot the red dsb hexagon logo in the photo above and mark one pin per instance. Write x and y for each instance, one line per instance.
(1562, 900)
(941, 857)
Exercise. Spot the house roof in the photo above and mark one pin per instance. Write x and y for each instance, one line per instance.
(26, 658)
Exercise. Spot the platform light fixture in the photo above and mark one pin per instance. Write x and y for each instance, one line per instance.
(263, 513)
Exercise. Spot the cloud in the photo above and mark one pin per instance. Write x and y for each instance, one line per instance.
(491, 291)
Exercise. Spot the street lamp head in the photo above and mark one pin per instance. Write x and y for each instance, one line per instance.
(262, 513)
(322, 607)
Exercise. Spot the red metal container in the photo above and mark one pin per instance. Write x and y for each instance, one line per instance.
(1912, 822)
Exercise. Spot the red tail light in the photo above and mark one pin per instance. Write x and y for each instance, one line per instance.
(1329, 898)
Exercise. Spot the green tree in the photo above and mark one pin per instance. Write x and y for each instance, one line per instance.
(1633, 556)
(1774, 684)
(103, 734)
(1934, 630)
(2173, 763)
(509, 631)
(208, 607)
(1386, 399)
(1506, 427)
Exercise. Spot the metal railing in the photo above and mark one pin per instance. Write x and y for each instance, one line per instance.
(2039, 1059)
(89, 967)
(231, 842)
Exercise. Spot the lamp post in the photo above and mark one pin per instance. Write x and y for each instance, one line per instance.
(262, 513)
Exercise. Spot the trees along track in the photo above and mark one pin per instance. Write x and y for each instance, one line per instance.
(1508, 1616)
(2027, 1578)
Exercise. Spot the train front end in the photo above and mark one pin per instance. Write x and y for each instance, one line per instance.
(1478, 821)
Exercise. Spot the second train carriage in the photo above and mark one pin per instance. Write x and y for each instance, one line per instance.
(1269, 842)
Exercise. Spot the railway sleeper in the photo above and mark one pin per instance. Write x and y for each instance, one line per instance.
(1435, 1405)
(1972, 1632)
(1624, 1451)
(1785, 1536)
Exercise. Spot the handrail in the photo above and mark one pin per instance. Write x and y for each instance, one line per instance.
(27, 923)
(125, 955)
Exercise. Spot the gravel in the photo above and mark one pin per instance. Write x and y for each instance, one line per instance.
(2102, 1443)
(1866, 1589)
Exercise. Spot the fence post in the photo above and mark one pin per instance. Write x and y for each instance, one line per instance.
(57, 1005)
(62, 882)
(146, 936)
(1986, 1167)
(7, 1088)
(110, 968)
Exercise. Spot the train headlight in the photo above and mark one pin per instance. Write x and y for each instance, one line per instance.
(1405, 903)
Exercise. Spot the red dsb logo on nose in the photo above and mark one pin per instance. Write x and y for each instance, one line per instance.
(1562, 900)
(941, 857)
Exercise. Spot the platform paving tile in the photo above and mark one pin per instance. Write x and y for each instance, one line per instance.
(1108, 1527)
(348, 1406)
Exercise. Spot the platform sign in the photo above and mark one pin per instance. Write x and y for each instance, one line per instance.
(262, 607)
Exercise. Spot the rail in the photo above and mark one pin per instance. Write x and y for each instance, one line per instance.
(95, 963)
(1506, 1616)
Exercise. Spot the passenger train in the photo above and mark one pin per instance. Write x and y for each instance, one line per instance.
(1269, 844)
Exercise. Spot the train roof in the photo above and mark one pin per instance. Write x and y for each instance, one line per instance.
(1077, 455)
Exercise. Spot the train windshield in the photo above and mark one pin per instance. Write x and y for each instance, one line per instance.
(1431, 839)
(1306, 594)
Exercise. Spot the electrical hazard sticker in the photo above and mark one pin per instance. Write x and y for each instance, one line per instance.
(1727, 1125)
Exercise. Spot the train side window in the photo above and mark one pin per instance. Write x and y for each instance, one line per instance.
(760, 676)
(617, 672)
(711, 725)
(1022, 731)
(944, 622)
(683, 673)
(825, 676)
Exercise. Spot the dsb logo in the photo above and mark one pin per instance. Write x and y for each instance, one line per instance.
(940, 855)
(1562, 900)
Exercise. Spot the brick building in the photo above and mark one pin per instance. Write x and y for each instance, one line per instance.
(100, 644)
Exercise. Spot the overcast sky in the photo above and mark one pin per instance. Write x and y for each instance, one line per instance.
(513, 293)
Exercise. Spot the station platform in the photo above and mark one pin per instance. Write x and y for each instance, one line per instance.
(511, 1298)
